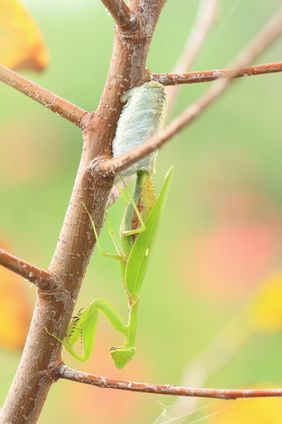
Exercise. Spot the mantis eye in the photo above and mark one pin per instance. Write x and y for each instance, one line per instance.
(142, 117)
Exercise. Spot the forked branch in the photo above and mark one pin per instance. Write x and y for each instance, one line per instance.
(37, 276)
(45, 97)
(271, 31)
(62, 371)
(197, 77)
(125, 19)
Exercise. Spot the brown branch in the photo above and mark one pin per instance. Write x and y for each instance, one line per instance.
(271, 31)
(166, 389)
(196, 38)
(39, 277)
(125, 19)
(45, 97)
(208, 76)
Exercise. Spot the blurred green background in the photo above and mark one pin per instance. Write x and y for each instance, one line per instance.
(220, 235)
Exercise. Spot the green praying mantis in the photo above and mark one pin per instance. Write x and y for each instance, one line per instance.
(137, 232)
(143, 116)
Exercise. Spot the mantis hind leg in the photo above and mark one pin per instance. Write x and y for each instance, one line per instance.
(138, 205)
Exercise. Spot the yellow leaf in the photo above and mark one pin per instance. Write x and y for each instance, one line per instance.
(266, 309)
(21, 44)
(248, 411)
(15, 311)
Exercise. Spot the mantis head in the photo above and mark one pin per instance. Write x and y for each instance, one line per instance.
(122, 355)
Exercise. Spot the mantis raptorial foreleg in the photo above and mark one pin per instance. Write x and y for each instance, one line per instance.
(83, 327)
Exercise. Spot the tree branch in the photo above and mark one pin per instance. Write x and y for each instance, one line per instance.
(196, 38)
(39, 277)
(45, 97)
(54, 311)
(67, 373)
(271, 31)
(197, 77)
(125, 19)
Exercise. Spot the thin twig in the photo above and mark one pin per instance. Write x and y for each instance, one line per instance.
(62, 371)
(45, 97)
(208, 76)
(37, 276)
(272, 30)
(196, 38)
(125, 19)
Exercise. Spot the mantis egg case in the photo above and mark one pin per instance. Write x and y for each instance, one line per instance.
(142, 117)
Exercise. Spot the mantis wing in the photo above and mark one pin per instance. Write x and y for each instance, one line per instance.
(138, 258)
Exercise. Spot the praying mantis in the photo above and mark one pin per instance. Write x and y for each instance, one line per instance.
(137, 231)
(133, 252)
